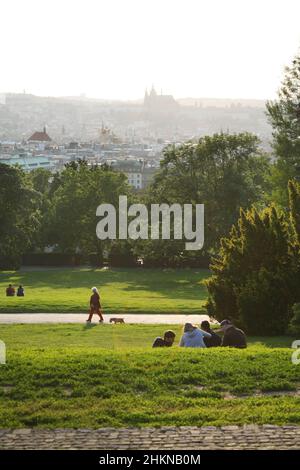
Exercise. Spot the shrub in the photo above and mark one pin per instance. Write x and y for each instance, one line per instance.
(294, 325)
(52, 259)
(95, 259)
(264, 303)
(121, 256)
(256, 275)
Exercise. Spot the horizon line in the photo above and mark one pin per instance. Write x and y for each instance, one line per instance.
(84, 96)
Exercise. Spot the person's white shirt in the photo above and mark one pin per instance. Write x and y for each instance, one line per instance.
(194, 338)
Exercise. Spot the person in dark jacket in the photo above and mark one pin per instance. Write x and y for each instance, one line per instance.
(214, 340)
(20, 291)
(95, 306)
(233, 336)
(166, 341)
(10, 291)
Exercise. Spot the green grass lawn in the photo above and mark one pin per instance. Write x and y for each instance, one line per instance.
(108, 375)
(122, 290)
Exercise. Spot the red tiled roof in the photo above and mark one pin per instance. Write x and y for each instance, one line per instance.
(40, 137)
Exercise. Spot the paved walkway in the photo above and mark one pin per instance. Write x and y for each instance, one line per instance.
(81, 318)
(169, 438)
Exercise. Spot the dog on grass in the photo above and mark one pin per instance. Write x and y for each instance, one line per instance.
(116, 320)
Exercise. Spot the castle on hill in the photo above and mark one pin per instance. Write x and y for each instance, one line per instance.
(155, 103)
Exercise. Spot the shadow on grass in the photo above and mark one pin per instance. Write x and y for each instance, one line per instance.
(89, 326)
(271, 341)
(181, 283)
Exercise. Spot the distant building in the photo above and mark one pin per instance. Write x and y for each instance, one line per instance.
(73, 146)
(155, 103)
(28, 162)
(2, 98)
(7, 147)
(107, 136)
(39, 140)
(139, 175)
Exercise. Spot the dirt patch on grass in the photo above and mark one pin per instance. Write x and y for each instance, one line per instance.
(259, 394)
(7, 388)
(67, 391)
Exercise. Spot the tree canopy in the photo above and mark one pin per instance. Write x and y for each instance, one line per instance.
(20, 215)
(284, 116)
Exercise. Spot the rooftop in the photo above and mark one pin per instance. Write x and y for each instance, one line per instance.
(40, 137)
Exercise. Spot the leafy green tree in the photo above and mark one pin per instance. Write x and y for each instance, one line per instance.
(294, 199)
(223, 171)
(41, 180)
(79, 189)
(294, 326)
(284, 116)
(20, 215)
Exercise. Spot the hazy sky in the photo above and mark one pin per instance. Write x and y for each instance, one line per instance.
(115, 48)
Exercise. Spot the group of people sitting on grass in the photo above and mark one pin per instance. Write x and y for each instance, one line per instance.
(11, 291)
(205, 337)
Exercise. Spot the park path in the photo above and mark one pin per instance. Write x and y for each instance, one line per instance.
(165, 438)
(169, 319)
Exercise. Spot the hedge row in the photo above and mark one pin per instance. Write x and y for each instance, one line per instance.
(114, 260)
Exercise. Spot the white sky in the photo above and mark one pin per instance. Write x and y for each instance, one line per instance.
(115, 48)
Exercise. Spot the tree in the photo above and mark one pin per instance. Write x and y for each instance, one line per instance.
(41, 180)
(78, 190)
(294, 326)
(20, 215)
(223, 171)
(256, 273)
(284, 116)
(294, 199)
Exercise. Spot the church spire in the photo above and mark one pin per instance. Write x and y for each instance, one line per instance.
(153, 91)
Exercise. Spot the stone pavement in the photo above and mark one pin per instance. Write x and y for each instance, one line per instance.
(167, 319)
(164, 438)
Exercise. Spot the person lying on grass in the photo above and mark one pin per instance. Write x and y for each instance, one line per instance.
(166, 341)
(193, 337)
(214, 340)
(95, 306)
(233, 336)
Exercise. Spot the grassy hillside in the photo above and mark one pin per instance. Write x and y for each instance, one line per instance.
(108, 375)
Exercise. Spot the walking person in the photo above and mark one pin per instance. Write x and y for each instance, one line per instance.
(95, 305)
